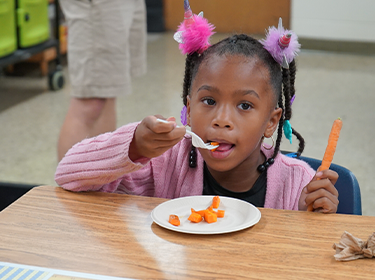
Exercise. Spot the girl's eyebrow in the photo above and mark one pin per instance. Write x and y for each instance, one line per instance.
(240, 92)
(208, 88)
(245, 92)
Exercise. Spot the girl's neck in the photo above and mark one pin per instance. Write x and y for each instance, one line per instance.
(242, 178)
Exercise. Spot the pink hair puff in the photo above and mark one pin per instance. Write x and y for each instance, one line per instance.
(196, 36)
(271, 44)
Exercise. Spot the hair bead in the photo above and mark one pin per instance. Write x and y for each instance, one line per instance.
(193, 157)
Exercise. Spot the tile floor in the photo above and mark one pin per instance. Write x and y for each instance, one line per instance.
(329, 85)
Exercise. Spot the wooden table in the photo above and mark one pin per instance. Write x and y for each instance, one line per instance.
(114, 235)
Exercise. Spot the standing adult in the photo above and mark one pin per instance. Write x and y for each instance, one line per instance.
(106, 47)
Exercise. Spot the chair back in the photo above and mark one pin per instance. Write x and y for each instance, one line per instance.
(347, 186)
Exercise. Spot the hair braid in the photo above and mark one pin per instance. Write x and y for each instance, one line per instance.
(286, 92)
(292, 71)
(279, 129)
(301, 145)
(188, 74)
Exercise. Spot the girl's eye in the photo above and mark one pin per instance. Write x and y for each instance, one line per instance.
(208, 101)
(245, 106)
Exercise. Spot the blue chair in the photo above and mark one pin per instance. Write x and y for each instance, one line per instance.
(347, 186)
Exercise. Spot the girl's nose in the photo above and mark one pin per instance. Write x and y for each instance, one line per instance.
(223, 118)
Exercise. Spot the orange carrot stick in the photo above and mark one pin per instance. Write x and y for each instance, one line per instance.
(331, 147)
(330, 150)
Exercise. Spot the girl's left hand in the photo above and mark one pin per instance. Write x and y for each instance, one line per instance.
(321, 193)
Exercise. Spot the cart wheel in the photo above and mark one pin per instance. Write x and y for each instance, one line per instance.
(56, 80)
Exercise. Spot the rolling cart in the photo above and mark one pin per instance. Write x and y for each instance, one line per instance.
(56, 79)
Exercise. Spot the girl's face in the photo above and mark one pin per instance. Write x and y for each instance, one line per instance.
(232, 103)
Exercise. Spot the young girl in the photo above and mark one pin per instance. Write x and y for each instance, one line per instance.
(236, 94)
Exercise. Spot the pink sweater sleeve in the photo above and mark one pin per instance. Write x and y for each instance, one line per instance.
(286, 179)
(98, 164)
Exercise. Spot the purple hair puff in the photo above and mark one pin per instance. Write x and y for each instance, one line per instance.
(282, 44)
(184, 116)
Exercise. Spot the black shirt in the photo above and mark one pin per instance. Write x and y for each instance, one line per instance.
(256, 195)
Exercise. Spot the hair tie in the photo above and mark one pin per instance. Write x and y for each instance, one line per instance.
(292, 100)
(183, 116)
(288, 130)
(233, 40)
(193, 34)
(282, 44)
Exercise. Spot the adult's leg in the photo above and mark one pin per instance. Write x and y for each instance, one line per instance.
(100, 63)
(86, 117)
(95, 78)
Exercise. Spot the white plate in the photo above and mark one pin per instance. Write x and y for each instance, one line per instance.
(239, 214)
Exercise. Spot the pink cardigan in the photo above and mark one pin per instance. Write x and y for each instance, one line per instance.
(102, 164)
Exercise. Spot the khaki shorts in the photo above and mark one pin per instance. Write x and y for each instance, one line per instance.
(106, 45)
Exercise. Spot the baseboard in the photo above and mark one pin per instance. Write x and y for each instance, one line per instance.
(363, 48)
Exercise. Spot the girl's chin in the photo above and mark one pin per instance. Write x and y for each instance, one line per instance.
(219, 166)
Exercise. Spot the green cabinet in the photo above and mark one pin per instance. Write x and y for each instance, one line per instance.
(32, 22)
(8, 34)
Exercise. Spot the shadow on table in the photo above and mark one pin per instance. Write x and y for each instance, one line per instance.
(181, 238)
(10, 192)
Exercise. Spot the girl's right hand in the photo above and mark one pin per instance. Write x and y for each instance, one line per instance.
(152, 138)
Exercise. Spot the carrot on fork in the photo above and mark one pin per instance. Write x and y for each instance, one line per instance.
(330, 150)
(214, 144)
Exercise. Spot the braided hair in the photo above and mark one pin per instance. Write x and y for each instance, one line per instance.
(281, 80)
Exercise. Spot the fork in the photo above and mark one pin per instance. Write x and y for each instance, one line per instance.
(196, 140)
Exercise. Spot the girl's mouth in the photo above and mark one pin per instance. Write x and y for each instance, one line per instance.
(222, 151)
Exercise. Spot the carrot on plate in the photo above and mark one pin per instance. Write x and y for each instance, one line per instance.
(211, 209)
(216, 202)
(174, 220)
(330, 150)
(195, 217)
(210, 217)
(200, 212)
(220, 213)
(209, 214)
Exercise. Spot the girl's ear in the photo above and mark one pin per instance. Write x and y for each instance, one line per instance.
(188, 110)
(273, 122)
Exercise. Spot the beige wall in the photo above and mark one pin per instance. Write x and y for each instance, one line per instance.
(248, 16)
(341, 20)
